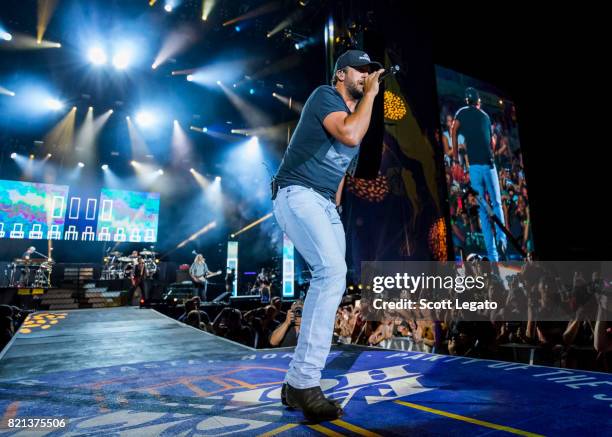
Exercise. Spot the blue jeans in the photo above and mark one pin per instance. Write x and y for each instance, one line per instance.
(200, 289)
(484, 179)
(313, 225)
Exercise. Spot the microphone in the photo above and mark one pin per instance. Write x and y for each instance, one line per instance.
(389, 72)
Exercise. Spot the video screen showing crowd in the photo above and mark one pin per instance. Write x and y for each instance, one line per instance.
(488, 196)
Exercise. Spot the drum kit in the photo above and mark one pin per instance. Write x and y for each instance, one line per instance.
(30, 272)
(118, 266)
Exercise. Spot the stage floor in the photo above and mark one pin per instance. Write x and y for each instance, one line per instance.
(129, 371)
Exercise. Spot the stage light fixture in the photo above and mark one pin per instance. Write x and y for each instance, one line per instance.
(145, 119)
(122, 59)
(97, 56)
(54, 104)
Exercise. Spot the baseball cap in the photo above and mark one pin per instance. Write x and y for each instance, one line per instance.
(471, 94)
(355, 58)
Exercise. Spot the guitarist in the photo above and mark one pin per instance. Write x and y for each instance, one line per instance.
(198, 272)
(139, 280)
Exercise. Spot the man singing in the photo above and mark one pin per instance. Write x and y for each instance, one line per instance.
(309, 182)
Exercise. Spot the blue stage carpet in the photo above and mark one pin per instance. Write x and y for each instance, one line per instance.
(191, 383)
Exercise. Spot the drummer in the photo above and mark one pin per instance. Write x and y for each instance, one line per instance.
(28, 253)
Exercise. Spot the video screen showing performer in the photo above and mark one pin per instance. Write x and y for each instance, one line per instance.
(485, 176)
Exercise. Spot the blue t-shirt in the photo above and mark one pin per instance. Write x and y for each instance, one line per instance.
(475, 126)
(314, 158)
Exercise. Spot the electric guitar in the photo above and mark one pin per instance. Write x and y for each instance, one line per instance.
(205, 277)
(137, 279)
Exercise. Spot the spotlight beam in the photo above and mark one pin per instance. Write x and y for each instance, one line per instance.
(101, 120)
(192, 237)
(181, 144)
(278, 132)
(88, 132)
(183, 72)
(262, 10)
(209, 76)
(253, 116)
(111, 180)
(27, 42)
(138, 145)
(207, 7)
(6, 92)
(294, 105)
(174, 44)
(45, 12)
(252, 225)
(292, 18)
(200, 179)
(278, 66)
(195, 235)
(219, 135)
(61, 136)
(84, 140)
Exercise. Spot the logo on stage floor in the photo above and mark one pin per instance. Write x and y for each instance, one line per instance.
(385, 384)
(446, 394)
(214, 400)
(41, 321)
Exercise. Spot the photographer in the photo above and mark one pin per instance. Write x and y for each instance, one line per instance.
(287, 333)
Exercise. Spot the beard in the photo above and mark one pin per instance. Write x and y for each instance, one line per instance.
(355, 90)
